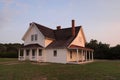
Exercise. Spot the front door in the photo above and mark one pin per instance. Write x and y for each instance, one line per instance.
(40, 55)
(28, 54)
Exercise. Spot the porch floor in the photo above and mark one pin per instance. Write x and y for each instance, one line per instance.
(79, 62)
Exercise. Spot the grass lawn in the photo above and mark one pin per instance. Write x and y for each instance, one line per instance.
(7, 59)
(11, 69)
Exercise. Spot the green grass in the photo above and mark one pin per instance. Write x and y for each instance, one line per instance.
(7, 59)
(99, 70)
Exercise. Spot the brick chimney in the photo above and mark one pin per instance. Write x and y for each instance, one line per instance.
(73, 27)
(58, 27)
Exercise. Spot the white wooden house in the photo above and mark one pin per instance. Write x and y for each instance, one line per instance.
(62, 45)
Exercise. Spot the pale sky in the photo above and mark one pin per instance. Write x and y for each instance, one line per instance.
(100, 18)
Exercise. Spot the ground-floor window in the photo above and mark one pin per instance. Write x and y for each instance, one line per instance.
(33, 52)
(70, 54)
(40, 52)
(55, 53)
(27, 52)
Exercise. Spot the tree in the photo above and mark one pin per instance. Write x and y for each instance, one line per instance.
(9, 50)
(114, 52)
(100, 49)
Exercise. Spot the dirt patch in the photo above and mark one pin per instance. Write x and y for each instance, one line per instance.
(40, 78)
(10, 62)
(40, 63)
(20, 62)
(110, 78)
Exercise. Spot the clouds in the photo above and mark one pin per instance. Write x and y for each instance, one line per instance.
(5, 12)
(98, 17)
(9, 10)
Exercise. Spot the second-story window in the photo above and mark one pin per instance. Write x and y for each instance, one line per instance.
(34, 37)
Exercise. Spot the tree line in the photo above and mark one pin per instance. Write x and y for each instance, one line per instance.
(103, 50)
(9, 50)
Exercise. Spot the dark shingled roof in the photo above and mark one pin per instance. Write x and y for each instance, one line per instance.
(65, 33)
(47, 32)
(62, 37)
(60, 43)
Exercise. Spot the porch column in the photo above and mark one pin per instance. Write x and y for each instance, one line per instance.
(24, 54)
(30, 57)
(37, 54)
(77, 56)
(82, 55)
(86, 54)
(18, 54)
(92, 55)
(89, 55)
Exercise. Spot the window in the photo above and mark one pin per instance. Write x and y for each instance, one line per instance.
(27, 52)
(70, 54)
(40, 52)
(55, 53)
(33, 52)
(34, 37)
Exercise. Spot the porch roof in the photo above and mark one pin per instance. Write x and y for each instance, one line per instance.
(79, 47)
(32, 46)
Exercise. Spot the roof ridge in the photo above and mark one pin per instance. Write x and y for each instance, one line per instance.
(42, 25)
(54, 29)
(68, 28)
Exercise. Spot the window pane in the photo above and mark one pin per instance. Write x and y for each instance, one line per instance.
(40, 52)
(33, 52)
(27, 52)
(55, 53)
(35, 37)
(32, 37)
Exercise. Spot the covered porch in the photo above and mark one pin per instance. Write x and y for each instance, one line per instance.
(31, 52)
(79, 55)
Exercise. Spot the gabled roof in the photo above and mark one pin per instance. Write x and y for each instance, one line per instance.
(60, 43)
(47, 32)
(63, 37)
(65, 33)
(61, 34)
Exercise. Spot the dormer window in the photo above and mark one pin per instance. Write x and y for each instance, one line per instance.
(34, 37)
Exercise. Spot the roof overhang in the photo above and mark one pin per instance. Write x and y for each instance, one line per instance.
(79, 47)
(33, 46)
